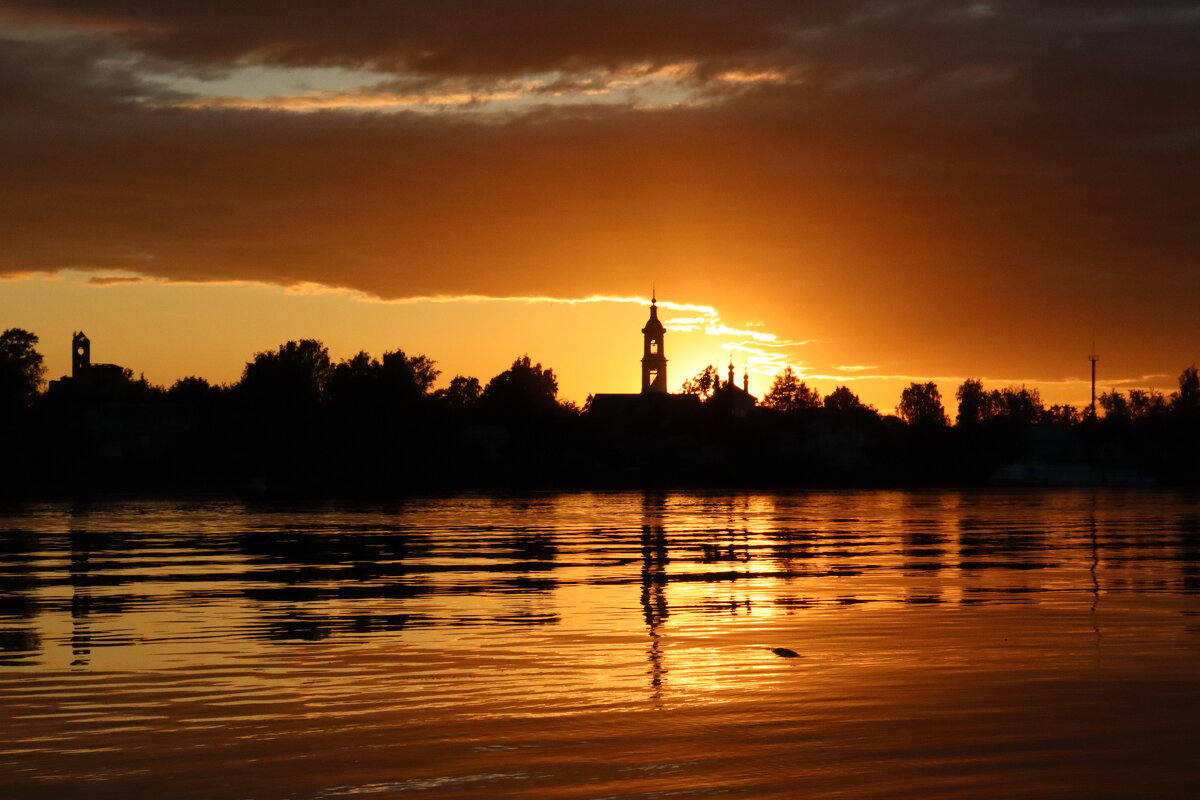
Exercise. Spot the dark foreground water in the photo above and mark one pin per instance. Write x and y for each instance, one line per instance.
(605, 646)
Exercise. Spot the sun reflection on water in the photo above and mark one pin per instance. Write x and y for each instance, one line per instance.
(619, 642)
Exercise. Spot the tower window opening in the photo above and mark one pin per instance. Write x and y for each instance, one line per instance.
(653, 347)
(653, 376)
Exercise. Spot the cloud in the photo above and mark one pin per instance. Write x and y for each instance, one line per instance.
(27, 275)
(355, 100)
(709, 311)
(448, 37)
(117, 280)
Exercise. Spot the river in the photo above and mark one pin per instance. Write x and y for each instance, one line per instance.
(608, 645)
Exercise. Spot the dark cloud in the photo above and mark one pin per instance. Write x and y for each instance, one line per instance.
(70, 79)
(449, 36)
(1096, 41)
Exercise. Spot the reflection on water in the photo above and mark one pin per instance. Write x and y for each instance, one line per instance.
(609, 645)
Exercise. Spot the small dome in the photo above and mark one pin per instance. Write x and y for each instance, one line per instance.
(653, 325)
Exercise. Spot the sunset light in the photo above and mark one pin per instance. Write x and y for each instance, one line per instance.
(598, 399)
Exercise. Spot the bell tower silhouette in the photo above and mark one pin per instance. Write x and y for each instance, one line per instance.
(654, 361)
(81, 354)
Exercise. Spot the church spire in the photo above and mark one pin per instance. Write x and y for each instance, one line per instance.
(654, 360)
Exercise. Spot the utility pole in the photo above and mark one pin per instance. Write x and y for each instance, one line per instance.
(1092, 357)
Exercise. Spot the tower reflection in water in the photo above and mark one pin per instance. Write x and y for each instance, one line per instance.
(654, 586)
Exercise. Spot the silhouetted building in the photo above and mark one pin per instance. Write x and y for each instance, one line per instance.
(654, 360)
(81, 354)
(87, 377)
(654, 403)
(735, 399)
(109, 422)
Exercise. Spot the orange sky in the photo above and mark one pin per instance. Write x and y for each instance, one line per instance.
(927, 191)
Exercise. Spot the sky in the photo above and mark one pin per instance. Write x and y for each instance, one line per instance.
(870, 192)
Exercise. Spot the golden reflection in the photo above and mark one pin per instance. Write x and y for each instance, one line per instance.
(81, 599)
(1095, 563)
(498, 636)
(654, 588)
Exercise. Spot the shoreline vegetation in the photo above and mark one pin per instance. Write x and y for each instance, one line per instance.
(298, 424)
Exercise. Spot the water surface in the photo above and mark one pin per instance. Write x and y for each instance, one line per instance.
(604, 646)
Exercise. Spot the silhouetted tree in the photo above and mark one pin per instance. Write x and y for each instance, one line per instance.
(921, 405)
(1187, 399)
(380, 385)
(1146, 403)
(402, 372)
(1115, 405)
(976, 404)
(843, 401)
(1184, 444)
(354, 381)
(1023, 406)
(279, 432)
(703, 384)
(295, 374)
(21, 368)
(192, 389)
(972, 402)
(522, 389)
(789, 393)
(374, 410)
(463, 392)
(1062, 415)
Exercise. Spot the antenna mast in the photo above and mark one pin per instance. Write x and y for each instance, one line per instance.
(1092, 357)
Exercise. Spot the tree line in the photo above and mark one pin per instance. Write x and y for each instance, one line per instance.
(921, 403)
(298, 421)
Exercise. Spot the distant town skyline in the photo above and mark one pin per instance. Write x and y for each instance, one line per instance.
(588, 358)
